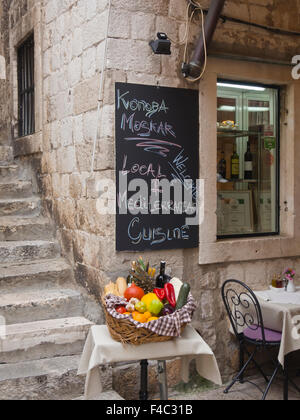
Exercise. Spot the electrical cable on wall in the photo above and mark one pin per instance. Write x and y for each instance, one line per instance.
(192, 7)
(100, 97)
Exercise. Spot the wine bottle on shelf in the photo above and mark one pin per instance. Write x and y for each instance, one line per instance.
(248, 163)
(222, 167)
(162, 279)
(235, 164)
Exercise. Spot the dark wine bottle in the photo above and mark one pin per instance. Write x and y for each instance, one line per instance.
(222, 168)
(235, 164)
(162, 279)
(248, 163)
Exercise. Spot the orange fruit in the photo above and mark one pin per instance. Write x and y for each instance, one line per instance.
(148, 315)
(154, 318)
(140, 318)
(135, 313)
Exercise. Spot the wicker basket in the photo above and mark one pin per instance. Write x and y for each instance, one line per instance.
(125, 332)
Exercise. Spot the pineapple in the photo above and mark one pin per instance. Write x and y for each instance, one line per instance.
(143, 275)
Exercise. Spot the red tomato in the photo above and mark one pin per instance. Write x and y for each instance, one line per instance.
(121, 310)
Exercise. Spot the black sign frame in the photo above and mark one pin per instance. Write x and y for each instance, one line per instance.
(157, 137)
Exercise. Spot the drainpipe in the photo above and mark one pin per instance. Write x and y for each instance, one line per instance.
(193, 69)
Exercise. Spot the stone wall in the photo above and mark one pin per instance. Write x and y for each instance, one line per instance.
(5, 131)
(73, 46)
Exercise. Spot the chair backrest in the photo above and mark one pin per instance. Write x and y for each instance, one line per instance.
(242, 307)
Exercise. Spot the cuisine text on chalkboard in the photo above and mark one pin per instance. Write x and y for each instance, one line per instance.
(157, 165)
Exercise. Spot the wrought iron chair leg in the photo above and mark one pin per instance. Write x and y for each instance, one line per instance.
(240, 374)
(270, 382)
(242, 361)
(259, 369)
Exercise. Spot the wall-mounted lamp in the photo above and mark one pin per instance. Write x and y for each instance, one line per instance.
(162, 45)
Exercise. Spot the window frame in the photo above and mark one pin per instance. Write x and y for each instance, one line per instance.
(278, 131)
(26, 86)
(287, 244)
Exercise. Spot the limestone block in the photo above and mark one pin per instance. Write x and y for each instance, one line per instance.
(77, 45)
(143, 26)
(155, 6)
(67, 160)
(119, 24)
(105, 157)
(89, 63)
(132, 55)
(177, 9)
(66, 131)
(91, 9)
(90, 124)
(94, 30)
(78, 129)
(107, 126)
(86, 95)
(78, 15)
(75, 71)
(51, 10)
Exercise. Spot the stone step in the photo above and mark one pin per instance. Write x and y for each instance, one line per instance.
(20, 206)
(104, 396)
(19, 251)
(20, 305)
(40, 272)
(9, 173)
(47, 379)
(20, 189)
(19, 229)
(6, 154)
(44, 339)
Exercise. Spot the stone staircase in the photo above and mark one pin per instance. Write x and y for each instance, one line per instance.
(47, 314)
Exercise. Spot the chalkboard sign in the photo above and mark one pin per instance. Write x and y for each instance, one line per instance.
(157, 164)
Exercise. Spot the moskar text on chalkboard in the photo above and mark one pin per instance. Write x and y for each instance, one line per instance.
(157, 164)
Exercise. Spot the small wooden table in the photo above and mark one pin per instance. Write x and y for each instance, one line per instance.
(101, 349)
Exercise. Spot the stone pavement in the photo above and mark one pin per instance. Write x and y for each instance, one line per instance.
(241, 392)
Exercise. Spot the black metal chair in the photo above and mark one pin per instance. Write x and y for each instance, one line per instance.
(246, 320)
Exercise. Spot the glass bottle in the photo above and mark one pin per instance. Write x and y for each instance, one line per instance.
(248, 163)
(235, 164)
(222, 166)
(162, 279)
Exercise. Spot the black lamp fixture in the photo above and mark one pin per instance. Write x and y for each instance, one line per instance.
(162, 45)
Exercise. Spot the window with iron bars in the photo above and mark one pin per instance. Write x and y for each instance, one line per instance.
(26, 87)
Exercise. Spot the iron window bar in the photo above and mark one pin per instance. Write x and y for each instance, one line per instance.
(26, 90)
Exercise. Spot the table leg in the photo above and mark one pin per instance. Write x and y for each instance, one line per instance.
(286, 380)
(162, 379)
(144, 380)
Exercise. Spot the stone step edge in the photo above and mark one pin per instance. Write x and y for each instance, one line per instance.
(63, 331)
(37, 368)
(20, 220)
(13, 297)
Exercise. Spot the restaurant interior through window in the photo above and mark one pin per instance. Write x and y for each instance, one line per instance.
(247, 159)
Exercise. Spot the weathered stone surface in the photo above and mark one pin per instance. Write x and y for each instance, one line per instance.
(41, 380)
(44, 339)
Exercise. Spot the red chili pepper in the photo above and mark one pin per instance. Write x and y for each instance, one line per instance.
(170, 294)
(160, 293)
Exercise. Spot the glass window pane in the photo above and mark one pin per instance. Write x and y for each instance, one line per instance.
(247, 161)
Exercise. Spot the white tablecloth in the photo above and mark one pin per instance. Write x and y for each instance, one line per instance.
(280, 296)
(281, 312)
(101, 349)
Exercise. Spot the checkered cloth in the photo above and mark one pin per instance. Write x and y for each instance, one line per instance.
(169, 325)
